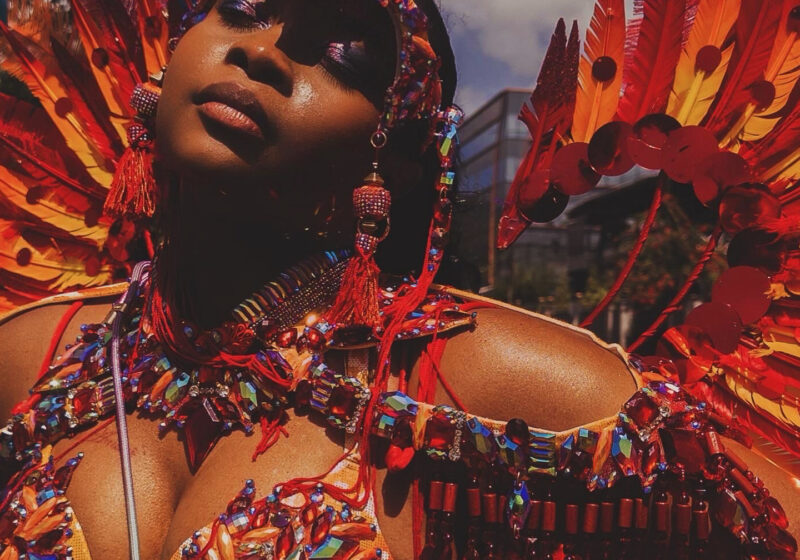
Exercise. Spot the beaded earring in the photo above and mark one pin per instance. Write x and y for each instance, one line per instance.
(133, 190)
(356, 309)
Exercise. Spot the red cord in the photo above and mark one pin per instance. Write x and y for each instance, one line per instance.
(57, 334)
(674, 304)
(632, 256)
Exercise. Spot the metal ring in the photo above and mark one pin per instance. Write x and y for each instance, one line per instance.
(378, 139)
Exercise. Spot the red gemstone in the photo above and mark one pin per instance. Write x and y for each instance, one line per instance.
(206, 374)
(319, 530)
(517, 431)
(342, 402)
(439, 433)
(776, 513)
(287, 338)
(285, 542)
(779, 541)
(302, 393)
(641, 409)
(316, 340)
(398, 458)
(81, 402)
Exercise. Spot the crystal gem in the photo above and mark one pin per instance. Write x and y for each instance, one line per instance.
(177, 389)
(342, 402)
(482, 438)
(775, 512)
(511, 454)
(320, 528)
(518, 505)
(81, 402)
(624, 452)
(302, 393)
(641, 409)
(287, 338)
(439, 432)
(779, 541)
(333, 549)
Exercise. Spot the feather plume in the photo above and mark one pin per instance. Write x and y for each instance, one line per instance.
(548, 117)
(50, 210)
(117, 77)
(596, 102)
(62, 265)
(694, 90)
(650, 67)
(782, 72)
(755, 30)
(776, 156)
(83, 137)
(30, 141)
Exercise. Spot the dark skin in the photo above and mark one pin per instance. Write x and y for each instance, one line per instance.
(242, 216)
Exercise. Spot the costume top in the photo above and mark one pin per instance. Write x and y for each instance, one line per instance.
(656, 474)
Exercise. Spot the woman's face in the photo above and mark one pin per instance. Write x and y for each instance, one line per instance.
(276, 98)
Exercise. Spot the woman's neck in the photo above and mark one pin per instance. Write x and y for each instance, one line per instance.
(219, 251)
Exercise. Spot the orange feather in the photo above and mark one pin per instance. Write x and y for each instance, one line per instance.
(596, 101)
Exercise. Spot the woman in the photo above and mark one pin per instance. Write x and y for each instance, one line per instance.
(262, 130)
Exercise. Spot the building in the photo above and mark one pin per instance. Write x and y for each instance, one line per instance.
(547, 267)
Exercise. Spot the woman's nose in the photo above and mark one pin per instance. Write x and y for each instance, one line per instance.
(262, 60)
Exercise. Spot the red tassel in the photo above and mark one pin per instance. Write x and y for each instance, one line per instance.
(357, 301)
(133, 190)
(356, 304)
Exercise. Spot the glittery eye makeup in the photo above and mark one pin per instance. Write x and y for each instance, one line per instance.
(245, 14)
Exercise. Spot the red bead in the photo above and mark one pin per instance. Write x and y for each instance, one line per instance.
(302, 393)
(398, 458)
(81, 402)
(342, 402)
(641, 409)
(287, 337)
(775, 512)
(439, 433)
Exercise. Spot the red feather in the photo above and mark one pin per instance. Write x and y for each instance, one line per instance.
(552, 103)
(755, 31)
(29, 139)
(650, 67)
(86, 89)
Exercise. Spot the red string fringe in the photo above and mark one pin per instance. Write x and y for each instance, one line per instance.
(271, 431)
(357, 300)
(133, 190)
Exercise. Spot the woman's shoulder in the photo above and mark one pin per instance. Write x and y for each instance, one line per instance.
(31, 332)
(554, 375)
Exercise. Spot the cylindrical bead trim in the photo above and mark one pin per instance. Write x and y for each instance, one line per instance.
(535, 516)
(702, 522)
(548, 516)
(661, 516)
(474, 502)
(436, 495)
(501, 507)
(571, 514)
(590, 513)
(736, 461)
(490, 508)
(607, 517)
(450, 493)
(748, 507)
(742, 482)
(640, 513)
(625, 516)
(683, 518)
(714, 443)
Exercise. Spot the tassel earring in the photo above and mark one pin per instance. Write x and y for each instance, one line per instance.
(133, 193)
(355, 313)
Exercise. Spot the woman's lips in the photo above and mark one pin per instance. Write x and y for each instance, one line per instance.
(231, 118)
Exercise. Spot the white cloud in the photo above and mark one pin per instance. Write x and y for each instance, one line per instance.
(515, 32)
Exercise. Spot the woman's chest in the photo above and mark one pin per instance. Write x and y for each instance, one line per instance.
(171, 501)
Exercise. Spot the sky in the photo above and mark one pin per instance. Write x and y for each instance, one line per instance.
(501, 43)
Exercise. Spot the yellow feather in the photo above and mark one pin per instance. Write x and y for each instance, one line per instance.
(48, 263)
(783, 71)
(73, 223)
(694, 90)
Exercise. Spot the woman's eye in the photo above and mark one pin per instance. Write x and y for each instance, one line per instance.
(349, 65)
(242, 14)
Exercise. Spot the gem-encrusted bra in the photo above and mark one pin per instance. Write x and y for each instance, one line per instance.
(513, 498)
